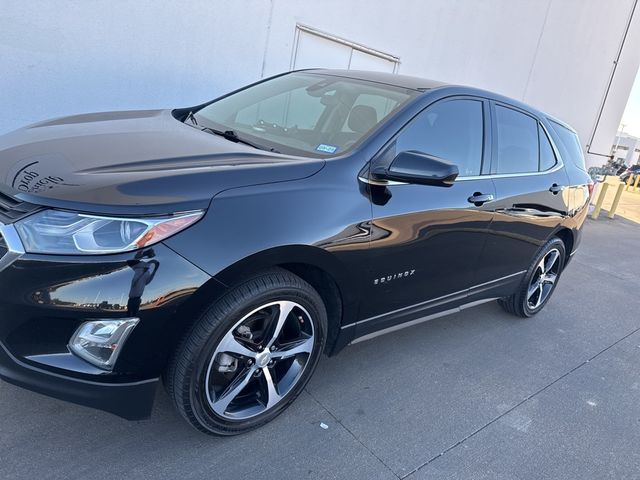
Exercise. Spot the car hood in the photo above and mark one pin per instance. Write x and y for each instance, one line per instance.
(135, 161)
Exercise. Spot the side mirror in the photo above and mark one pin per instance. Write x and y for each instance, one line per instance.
(419, 168)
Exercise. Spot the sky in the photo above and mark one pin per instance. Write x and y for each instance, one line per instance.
(631, 115)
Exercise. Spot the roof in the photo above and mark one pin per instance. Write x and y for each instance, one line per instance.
(404, 81)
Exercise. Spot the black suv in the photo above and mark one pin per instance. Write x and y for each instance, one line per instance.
(226, 246)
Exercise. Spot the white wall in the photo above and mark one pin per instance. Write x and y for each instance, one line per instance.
(627, 148)
(61, 57)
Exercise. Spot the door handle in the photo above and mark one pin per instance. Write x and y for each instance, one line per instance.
(556, 189)
(479, 198)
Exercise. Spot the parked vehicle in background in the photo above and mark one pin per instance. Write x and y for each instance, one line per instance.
(632, 171)
(224, 247)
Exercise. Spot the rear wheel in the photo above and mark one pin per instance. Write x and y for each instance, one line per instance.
(249, 355)
(539, 282)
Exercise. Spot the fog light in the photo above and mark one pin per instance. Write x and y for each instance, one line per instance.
(100, 341)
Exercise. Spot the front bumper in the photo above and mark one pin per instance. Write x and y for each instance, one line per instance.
(44, 298)
(132, 401)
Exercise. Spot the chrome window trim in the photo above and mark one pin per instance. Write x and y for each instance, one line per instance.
(15, 249)
(509, 175)
(558, 166)
(381, 183)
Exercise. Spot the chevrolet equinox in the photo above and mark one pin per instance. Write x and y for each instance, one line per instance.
(224, 247)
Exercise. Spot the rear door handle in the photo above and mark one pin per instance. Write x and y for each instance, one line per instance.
(556, 189)
(479, 198)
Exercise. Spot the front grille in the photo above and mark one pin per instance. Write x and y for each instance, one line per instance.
(10, 246)
(12, 209)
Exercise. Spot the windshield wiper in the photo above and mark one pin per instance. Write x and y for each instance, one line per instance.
(227, 134)
(192, 117)
(233, 136)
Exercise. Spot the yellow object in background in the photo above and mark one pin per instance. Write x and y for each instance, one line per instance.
(616, 200)
(603, 193)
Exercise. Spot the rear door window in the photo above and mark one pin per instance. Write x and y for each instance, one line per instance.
(517, 142)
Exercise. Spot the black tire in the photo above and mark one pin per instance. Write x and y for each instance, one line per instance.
(519, 303)
(187, 376)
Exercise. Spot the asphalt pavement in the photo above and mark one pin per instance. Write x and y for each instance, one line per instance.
(476, 395)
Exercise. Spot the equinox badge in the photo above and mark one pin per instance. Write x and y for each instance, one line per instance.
(395, 276)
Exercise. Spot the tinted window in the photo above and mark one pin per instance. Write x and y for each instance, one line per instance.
(451, 130)
(293, 108)
(569, 145)
(382, 105)
(517, 140)
(304, 113)
(547, 157)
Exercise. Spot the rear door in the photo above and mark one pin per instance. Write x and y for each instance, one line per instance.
(531, 195)
(426, 240)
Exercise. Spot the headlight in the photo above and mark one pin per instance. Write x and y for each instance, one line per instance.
(67, 233)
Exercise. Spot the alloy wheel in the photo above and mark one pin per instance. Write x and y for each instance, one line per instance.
(259, 360)
(543, 279)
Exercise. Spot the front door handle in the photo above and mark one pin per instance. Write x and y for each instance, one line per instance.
(479, 198)
(556, 189)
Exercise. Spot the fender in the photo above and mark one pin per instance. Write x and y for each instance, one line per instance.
(303, 255)
(288, 254)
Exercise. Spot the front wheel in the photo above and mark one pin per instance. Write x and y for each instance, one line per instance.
(539, 282)
(249, 355)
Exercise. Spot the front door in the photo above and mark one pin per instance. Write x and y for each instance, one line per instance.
(426, 240)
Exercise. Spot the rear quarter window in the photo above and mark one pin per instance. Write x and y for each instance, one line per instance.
(569, 145)
(547, 157)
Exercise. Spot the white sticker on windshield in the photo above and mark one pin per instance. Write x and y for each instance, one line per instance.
(323, 147)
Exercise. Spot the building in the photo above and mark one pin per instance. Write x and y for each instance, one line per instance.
(60, 57)
(626, 148)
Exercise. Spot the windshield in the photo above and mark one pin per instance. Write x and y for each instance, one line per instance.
(305, 113)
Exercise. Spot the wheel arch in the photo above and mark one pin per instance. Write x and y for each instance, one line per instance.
(315, 265)
(567, 236)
